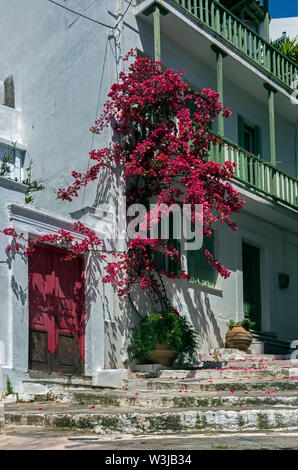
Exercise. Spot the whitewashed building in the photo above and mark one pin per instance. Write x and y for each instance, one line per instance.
(280, 26)
(56, 68)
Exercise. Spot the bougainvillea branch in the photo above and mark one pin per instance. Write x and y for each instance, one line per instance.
(62, 238)
(163, 145)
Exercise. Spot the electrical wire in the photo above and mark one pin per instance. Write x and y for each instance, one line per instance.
(122, 18)
(92, 19)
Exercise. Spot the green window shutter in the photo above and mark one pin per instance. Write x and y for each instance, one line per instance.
(198, 269)
(240, 131)
(161, 260)
(165, 263)
(210, 273)
(197, 266)
(174, 267)
(258, 141)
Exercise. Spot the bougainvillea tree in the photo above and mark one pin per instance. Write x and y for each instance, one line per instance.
(164, 129)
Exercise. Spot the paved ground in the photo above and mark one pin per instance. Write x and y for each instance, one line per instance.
(34, 438)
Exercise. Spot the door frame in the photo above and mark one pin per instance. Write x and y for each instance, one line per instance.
(101, 302)
(257, 326)
(79, 362)
(266, 247)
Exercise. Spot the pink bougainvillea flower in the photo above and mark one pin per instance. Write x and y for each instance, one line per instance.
(137, 394)
(165, 145)
(93, 406)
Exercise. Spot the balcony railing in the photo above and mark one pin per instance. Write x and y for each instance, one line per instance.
(257, 174)
(238, 34)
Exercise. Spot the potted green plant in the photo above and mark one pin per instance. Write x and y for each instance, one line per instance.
(160, 337)
(238, 335)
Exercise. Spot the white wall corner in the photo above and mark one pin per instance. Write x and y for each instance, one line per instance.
(98, 219)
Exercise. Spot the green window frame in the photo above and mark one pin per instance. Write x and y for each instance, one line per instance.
(198, 269)
(249, 136)
(165, 263)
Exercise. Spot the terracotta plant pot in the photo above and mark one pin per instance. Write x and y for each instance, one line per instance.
(163, 355)
(239, 338)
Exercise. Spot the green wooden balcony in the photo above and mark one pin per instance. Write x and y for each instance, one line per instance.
(256, 173)
(234, 31)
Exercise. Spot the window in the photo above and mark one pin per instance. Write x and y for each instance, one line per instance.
(164, 261)
(198, 269)
(249, 136)
(11, 162)
(8, 92)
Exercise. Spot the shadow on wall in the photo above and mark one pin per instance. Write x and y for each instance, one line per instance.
(196, 304)
(117, 332)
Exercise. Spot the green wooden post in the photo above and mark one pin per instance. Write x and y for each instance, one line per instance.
(156, 21)
(157, 11)
(266, 21)
(220, 55)
(271, 94)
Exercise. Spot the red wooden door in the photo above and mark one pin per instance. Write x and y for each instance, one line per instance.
(56, 311)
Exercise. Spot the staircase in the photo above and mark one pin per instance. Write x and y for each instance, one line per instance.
(238, 392)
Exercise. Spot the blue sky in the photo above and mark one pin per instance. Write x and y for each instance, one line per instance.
(283, 9)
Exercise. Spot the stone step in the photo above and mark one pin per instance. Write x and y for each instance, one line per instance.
(182, 399)
(279, 384)
(211, 380)
(273, 363)
(229, 372)
(44, 386)
(107, 421)
(43, 377)
(226, 354)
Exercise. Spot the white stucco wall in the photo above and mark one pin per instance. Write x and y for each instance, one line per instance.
(14, 311)
(280, 25)
(64, 66)
(13, 283)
